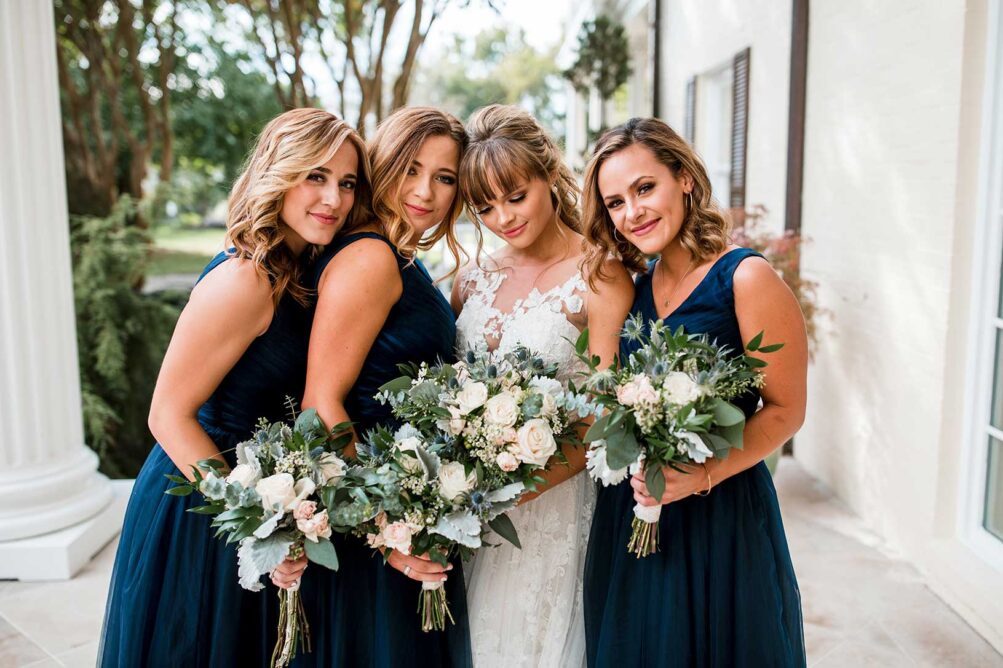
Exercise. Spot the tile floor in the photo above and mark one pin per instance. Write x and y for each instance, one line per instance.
(861, 608)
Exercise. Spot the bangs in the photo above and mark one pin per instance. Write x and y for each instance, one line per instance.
(495, 168)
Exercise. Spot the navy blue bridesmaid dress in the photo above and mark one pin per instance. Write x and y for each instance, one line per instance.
(174, 598)
(721, 589)
(366, 613)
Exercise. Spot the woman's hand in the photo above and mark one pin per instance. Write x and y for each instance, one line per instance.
(418, 568)
(287, 574)
(678, 485)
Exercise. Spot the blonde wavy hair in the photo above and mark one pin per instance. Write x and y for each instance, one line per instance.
(507, 148)
(391, 151)
(704, 232)
(290, 146)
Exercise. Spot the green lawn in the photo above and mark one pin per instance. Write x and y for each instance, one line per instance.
(183, 250)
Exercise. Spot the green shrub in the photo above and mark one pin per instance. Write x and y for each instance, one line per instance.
(121, 335)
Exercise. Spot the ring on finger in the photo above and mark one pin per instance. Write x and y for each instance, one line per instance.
(407, 571)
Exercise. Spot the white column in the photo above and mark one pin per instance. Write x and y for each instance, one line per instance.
(50, 491)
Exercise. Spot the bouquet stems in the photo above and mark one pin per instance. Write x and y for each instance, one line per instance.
(433, 607)
(644, 534)
(294, 629)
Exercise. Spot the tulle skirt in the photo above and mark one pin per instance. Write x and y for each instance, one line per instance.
(174, 597)
(720, 591)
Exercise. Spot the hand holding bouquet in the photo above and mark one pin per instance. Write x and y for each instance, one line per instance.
(278, 501)
(475, 434)
(667, 404)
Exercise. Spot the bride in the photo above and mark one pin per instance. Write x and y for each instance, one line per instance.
(525, 605)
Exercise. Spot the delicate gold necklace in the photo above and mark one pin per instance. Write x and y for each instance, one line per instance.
(675, 288)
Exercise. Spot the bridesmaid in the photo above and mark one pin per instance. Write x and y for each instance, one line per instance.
(721, 589)
(175, 598)
(377, 307)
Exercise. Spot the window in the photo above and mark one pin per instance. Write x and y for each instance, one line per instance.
(713, 129)
(717, 123)
(983, 520)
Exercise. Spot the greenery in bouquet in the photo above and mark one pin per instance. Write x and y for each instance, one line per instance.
(669, 403)
(284, 498)
(475, 435)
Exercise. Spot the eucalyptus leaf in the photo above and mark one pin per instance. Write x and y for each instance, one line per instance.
(503, 526)
(733, 434)
(399, 384)
(753, 345)
(322, 552)
(622, 448)
(597, 430)
(655, 481)
(726, 414)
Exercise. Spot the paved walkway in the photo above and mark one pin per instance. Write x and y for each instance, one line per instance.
(861, 608)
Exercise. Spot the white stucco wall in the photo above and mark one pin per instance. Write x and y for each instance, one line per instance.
(891, 155)
(701, 35)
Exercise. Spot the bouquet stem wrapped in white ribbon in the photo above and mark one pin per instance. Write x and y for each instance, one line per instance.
(668, 404)
(283, 499)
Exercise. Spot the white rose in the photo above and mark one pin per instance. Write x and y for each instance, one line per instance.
(454, 480)
(536, 442)
(397, 536)
(507, 462)
(332, 467)
(501, 410)
(680, 388)
(304, 487)
(276, 490)
(471, 397)
(245, 474)
(315, 527)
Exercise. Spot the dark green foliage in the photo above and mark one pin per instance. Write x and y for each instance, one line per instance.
(603, 59)
(121, 336)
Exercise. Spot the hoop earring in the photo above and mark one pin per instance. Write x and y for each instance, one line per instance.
(617, 237)
(689, 201)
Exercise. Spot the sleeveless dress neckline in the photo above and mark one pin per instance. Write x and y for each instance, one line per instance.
(174, 597)
(365, 613)
(721, 590)
(649, 292)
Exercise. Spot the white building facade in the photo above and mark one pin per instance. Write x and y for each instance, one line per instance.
(901, 198)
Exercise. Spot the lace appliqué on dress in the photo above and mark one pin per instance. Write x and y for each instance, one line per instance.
(525, 606)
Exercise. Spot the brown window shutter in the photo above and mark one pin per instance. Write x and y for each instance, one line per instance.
(739, 128)
(690, 123)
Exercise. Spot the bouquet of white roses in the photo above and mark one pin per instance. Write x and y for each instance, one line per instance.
(667, 404)
(475, 435)
(283, 498)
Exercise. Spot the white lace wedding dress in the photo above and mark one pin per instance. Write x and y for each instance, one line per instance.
(525, 605)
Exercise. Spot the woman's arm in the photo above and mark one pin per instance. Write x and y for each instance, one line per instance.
(456, 296)
(355, 294)
(227, 310)
(608, 306)
(763, 303)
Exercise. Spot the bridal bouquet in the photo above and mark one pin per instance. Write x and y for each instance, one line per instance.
(283, 498)
(475, 435)
(667, 404)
